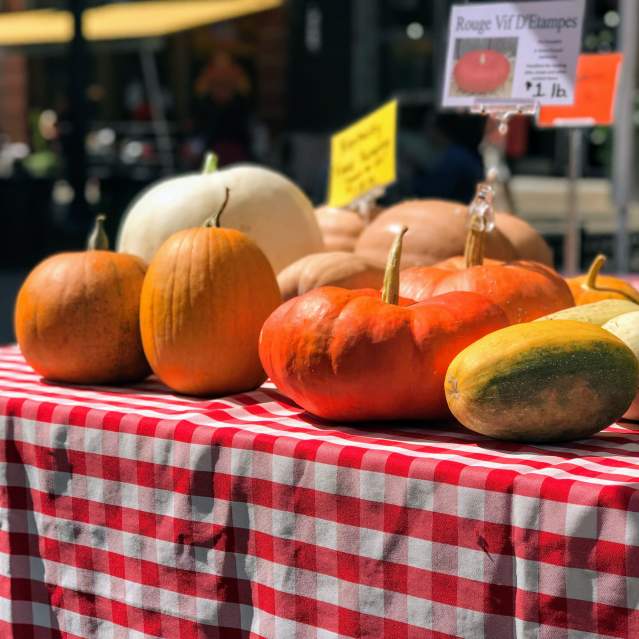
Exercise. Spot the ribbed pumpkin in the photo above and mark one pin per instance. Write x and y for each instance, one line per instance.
(593, 286)
(337, 268)
(205, 297)
(349, 355)
(525, 290)
(437, 231)
(340, 227)
(542, 381)
(77, 316)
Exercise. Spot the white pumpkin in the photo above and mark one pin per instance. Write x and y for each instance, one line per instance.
(265, 205)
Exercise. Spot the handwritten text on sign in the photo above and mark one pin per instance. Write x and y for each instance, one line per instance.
(363, 156)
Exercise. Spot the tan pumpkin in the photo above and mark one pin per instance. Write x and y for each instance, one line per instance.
(528, 243)
(437, 231)
(340, 227)
(337, 268)
(77, 316)
(205, 297)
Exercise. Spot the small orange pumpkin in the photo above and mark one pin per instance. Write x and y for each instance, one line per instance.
(77, 315)
(593, 287)
(205, 297)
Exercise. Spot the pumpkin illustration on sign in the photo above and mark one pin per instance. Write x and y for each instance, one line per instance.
(351, 355)
(481, 71)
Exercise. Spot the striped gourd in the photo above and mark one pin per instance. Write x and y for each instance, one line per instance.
(542, 381)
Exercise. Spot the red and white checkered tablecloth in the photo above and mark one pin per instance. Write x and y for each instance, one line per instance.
(136, 513)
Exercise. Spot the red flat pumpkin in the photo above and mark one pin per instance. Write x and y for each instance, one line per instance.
(353, 356)
(525, 290)
(481, 71)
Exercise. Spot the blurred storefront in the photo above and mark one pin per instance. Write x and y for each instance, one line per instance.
(268, 87)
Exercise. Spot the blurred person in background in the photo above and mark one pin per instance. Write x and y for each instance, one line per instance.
(223, 87)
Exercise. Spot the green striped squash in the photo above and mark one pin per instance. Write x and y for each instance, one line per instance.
(554, 380)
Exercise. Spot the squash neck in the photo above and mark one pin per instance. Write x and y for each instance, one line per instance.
(591, 281)
(98, 239)
(390, 288)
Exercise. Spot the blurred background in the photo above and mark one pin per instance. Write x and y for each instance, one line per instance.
(87, 123)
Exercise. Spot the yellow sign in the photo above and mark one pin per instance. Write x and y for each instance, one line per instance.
(363, 156)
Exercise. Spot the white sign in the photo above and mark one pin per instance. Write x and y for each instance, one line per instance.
(513, 53)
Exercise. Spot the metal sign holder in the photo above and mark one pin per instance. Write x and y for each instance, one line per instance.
(501, 114)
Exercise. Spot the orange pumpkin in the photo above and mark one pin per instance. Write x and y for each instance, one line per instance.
(349, 355)
(205, 297)
(593, 287)
(77, 316)
(525, 290)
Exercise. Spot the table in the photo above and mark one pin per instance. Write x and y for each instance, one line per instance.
(137, 513)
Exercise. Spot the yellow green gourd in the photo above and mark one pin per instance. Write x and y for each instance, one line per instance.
(542, 381)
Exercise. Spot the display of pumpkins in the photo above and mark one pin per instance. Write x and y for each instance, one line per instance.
(205, 297)
(208, 318)
(77, 316)
(438, 231)
(264, 205)
(338, 268)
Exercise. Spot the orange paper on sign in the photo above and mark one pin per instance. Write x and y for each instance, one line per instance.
(595, 89)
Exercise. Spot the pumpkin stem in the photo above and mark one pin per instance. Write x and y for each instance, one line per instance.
(210, 163)
(482, 220)
(591, 281)
(98, 239)
(390, 288)
(214, 220)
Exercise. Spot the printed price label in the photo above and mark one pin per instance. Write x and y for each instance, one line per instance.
(508, 53)
(363, 156)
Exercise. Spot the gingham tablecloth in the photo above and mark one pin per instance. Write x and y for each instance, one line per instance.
(136, 513)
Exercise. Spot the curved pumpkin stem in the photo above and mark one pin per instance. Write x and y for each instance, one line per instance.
(98, 239)
(591, 281)
(482, 220)
(390, 288)
(214, 220)
(210, 163)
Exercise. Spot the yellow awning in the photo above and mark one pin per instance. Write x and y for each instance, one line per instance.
(35, 27)
(123, 21)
